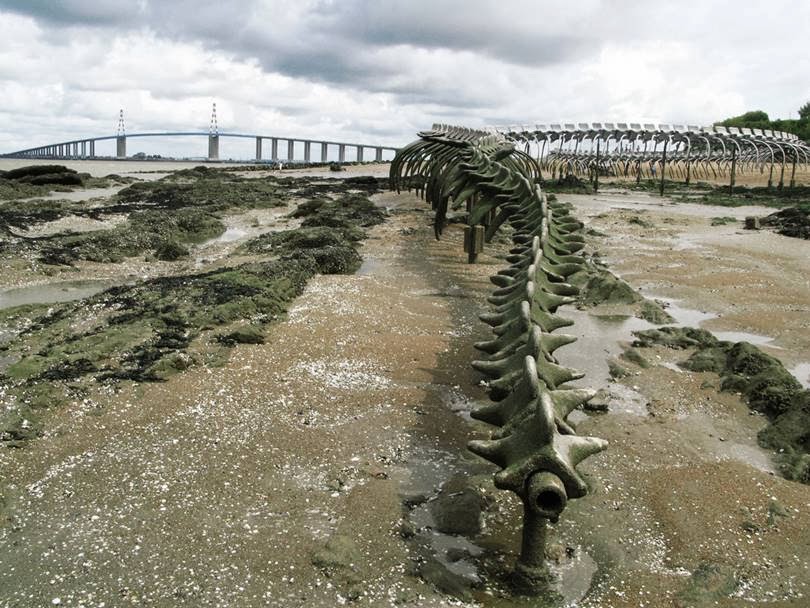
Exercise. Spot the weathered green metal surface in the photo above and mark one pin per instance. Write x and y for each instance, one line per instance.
(535, 448)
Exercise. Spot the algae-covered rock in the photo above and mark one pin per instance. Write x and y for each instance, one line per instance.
(18, 425)
(616, 370)
(349, 210)
(710, 359)
(247, 334)
(633, 356)
(761, 379)
(458, 508)
(363, 182)
(56, 179)
(340, 558)
(792, 221)
(708, 584)
(746, 359)
(342, 259)
(722, 221)
(141, 332)
(34, 170)
(169, 251)
(444, 580)
(286, 241)
(772, 391)
(639, 221)
(654, 313)
(675, 337)
(144, 231)
(329, 248)
(792, 428)
(603, 287)
(733, 383)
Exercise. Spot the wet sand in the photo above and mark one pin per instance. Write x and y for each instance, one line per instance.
(278, 479)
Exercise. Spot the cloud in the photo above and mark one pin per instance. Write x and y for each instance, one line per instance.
(349, 69)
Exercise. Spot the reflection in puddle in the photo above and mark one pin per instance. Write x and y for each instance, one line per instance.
(598, 338)
(230, 235)
(802, 373)
(685, 317)
(64, 291)
(370, 265)
(428, 469)
(447, 548)
(622, 399)
(742, 336)
(574, 577)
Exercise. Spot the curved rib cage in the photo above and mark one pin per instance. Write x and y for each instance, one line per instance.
(636, 150)
(535, 447)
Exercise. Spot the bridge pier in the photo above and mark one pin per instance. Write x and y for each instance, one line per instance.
(213, 147)
(86, 148)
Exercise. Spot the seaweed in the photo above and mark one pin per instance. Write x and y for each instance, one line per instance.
(761, 379)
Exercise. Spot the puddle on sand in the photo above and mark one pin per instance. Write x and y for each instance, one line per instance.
(574, 577)
(370, 265)
(690, 317)
(750, 455)
(230, 235)
(445, 545)
(598, 338)
(742, 336)
(684, 317)
(428, 469)
(802, 374)
(64, 291)
(623, 399)
(82, 194)
(722, 444)
(240, 228)
(6, 335)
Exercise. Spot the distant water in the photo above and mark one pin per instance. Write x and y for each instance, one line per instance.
(156, 169)
(99, 168)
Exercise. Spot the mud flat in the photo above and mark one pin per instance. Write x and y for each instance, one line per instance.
(325, 463)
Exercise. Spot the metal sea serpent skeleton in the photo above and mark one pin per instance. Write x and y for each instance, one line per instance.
(536, 448)
(645, 149)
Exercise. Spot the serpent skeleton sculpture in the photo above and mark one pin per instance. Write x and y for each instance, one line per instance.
(535, 447)
(648, 150)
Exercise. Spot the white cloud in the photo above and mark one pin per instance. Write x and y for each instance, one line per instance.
(379, 72)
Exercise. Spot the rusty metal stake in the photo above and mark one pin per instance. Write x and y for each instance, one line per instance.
(733, 170)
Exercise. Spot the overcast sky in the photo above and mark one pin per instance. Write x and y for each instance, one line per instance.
(379, 71)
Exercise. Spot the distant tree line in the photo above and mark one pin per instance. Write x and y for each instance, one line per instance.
(760, 120)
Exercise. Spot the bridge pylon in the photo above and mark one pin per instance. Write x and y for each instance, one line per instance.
(120, 137)
(213, 135)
